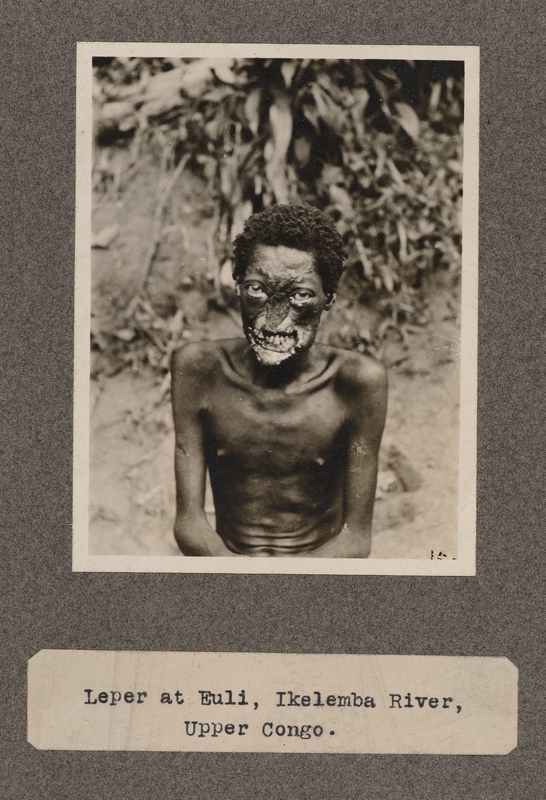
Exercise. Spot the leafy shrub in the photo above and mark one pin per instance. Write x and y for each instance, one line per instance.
(377, 144)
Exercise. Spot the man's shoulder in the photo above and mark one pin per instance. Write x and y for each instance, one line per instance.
(361, 384)
(359, 371)
(202, 357)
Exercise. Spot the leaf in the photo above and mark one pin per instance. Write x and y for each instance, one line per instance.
(120, 115)
(222, 70)
(380, 165)
(196, 78)
(217, 94)
(240, 216)
(364, 260)
(212, 129)
(225, 277)
(387, 278)
(361, 97)
(229, 184)
(288, 70)
(403, 238)
(383, 93)
(252, 109)
(408, 120)
(327, 109)
(331, 175)
(311, 114)
(280, 118)
(105, 237)
(331, 88)
(125, 334)
(435, 94)
(356, 163)
(341, 198)
(176, 322)
(302, 150)
(390, 76)
(425, 227)
(166, 83)
(397, 178)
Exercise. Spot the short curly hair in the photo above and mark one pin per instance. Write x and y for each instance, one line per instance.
(302, 227)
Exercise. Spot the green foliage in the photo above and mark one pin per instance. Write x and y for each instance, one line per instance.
(376, 144)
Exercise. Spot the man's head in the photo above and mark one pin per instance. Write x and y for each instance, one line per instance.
(288, 262)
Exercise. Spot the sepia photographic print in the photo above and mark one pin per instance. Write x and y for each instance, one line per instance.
(276, 309)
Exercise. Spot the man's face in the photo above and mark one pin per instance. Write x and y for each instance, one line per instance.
(282, 301)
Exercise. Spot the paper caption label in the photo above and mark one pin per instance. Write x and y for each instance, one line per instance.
(264, 702)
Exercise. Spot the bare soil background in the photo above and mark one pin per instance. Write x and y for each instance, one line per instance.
(132, 492)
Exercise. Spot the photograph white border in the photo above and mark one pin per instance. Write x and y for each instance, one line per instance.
(465, 563)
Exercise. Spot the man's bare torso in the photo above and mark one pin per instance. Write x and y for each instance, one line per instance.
(288, 429)
(276, 455)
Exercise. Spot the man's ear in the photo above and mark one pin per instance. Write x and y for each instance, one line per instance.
(329, 301)
(238, 288)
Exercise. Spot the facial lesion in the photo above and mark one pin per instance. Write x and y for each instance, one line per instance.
(274, 338)
(282, 299)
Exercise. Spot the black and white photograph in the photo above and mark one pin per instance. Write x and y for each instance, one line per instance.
(273, 443)
(276, 309)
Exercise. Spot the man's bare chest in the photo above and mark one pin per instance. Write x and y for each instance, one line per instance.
(269, 429)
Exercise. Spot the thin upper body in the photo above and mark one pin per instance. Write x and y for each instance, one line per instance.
(288, 429)
(289, 464)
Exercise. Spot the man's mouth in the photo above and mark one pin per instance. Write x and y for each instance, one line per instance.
(279, 342)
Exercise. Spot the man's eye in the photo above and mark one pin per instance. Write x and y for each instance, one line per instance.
(301, 298)
(254, 290)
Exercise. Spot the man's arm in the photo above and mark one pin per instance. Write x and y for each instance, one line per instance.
(192, 532)
(364, 387)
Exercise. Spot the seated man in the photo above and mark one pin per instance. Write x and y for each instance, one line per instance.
(288, 429)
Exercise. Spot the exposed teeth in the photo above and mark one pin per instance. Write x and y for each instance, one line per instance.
(280, 339)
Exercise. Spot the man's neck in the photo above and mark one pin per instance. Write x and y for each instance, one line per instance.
(295, 369)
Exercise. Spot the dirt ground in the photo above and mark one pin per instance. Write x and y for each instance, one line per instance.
(132, 492)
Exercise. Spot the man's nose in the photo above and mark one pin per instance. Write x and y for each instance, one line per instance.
(277, 314)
